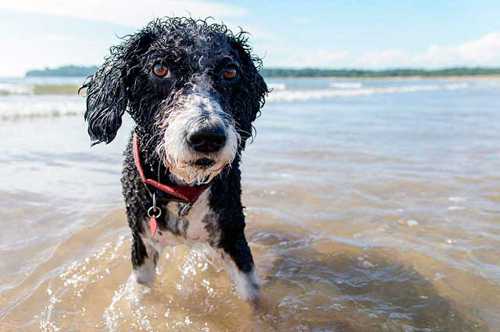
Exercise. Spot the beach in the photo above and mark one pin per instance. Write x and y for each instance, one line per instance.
(371, 205)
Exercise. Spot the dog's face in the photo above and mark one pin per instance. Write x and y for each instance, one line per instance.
(193, 88)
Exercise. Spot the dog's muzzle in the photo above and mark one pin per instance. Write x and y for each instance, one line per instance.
(200, 139)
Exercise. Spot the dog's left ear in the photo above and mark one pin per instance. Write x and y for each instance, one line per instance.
(255, 84)
(106, 90)
(261, 91)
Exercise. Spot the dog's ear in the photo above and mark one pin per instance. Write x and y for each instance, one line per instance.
(106, 90)
(255, 84)
(260, 93)
(251, 95)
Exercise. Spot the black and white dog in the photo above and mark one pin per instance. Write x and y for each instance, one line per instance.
(193, 90)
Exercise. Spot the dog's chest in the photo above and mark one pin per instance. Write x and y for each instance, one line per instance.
(197, 223)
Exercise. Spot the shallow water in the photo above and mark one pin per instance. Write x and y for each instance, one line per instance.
(371, 206)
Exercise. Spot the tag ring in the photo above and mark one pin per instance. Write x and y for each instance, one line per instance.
(154, 211)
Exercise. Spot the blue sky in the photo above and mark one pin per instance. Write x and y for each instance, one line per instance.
(331, 34)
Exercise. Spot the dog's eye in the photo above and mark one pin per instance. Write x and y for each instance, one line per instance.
(230, 73)
(160, 70)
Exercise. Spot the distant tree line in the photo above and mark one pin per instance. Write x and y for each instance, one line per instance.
(63, 71)
(79, 71)
(357, 73)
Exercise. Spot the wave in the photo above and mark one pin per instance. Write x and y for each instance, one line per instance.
(33, 115)
(26, 107)
(14, 89)
(47, 101)
(304, 95)
(277, 86)
(346, 85)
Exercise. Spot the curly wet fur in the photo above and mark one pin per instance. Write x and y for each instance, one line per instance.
(196, 51)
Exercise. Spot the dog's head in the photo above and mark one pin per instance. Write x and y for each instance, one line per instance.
(192, 87)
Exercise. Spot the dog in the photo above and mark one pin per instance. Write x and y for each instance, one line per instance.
(193, 89)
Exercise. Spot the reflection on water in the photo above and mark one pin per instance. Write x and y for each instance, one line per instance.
(366, 212)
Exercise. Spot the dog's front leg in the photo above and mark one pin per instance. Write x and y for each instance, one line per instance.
(144, 260)
(239, 263)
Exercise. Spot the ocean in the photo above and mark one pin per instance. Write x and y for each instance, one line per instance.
(371, 205)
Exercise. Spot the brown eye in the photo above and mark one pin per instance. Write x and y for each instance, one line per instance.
(230, 73)
(160, 70)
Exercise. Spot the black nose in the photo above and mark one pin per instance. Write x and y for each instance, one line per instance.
(207, 139)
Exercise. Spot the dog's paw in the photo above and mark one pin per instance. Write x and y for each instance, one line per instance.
(261, 304)
(247, 285)
(145, 275)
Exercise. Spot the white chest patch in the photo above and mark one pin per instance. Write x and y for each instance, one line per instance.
(192, 226)
(195, 228)
(198, 225)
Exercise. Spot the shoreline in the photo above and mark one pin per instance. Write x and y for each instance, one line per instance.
(455, 77)
(402, 77)
(71, 88)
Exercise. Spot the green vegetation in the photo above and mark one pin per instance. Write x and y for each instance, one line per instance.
(359, 73)
(80, 71)
(63, 71)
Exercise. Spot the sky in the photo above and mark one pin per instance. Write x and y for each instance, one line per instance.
(368, 34)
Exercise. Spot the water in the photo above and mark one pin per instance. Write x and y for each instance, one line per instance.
(372, 205)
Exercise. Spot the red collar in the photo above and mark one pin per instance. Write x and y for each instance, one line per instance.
(184, 193)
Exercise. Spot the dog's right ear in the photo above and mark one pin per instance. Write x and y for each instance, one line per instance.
(106, 101)
(106, 90)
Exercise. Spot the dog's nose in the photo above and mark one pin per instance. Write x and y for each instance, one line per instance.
(207, 139)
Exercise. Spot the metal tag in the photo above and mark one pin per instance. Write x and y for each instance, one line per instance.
(184, 210)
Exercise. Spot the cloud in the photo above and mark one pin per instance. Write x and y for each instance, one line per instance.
(134, 13)
(54, 31)
(484, 51)
(59, 32)
(383, 58)
(287, 57)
